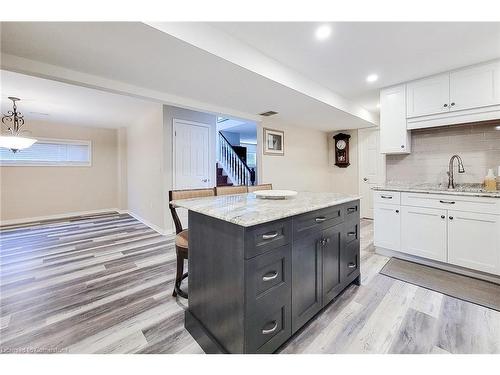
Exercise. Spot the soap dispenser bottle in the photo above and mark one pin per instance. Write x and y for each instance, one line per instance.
(490, 182)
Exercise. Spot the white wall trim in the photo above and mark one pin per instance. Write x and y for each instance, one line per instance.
(57, 216)
(156, 228)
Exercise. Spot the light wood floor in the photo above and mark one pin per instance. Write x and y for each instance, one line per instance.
(103, 283)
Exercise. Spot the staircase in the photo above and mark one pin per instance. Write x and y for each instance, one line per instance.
(232, 165)
(222, 179)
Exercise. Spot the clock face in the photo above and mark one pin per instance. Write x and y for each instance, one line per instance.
(341, 144)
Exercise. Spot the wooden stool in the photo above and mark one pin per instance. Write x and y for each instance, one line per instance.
(182, 236)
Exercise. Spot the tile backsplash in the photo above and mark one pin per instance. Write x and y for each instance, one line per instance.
(477, 144)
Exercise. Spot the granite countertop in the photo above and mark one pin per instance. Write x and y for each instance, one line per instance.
(475, 190)
(247, 210)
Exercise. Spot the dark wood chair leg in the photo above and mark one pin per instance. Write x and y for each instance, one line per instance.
(180, 275)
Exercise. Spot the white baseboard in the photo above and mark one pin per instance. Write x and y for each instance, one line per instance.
(156, 228)
(56, 216)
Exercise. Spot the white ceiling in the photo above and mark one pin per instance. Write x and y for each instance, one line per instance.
(199, 66)
(48, 100)
(396, 51)
(142, 56)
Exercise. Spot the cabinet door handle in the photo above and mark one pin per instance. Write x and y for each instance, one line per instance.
(270, 235)
(351, 209)
(447, 202)
(271, 330)
(320, 219)
(270, 276)
(351, 265)
(351, 233)
(386, 196)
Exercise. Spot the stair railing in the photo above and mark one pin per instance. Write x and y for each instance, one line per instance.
(237, 170)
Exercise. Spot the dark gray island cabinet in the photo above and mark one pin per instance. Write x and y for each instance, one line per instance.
(251, 287)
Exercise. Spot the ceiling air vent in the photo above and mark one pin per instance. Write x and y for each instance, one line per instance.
(268, 113)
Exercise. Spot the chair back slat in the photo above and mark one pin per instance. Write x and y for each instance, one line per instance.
(174, 195)
(251, 189)
(227, 190)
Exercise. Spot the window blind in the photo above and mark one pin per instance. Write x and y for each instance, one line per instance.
(50, 153)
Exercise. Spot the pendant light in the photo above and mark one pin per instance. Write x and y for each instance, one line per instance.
(14, 121)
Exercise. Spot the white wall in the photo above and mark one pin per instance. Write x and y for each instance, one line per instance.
(43, 191)
(146, 168)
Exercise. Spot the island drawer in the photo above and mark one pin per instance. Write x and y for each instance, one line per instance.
(351, 231)
(268, 236)
(351, 211)
(268, 277)
(387, 197)
(267, 332)
(349, 259)
(317, 220)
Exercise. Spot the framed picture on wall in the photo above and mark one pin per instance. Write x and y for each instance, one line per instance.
(274, 142)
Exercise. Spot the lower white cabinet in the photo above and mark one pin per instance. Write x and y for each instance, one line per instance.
(458, 230)
(387, 226)
(474, 241)
(423, 232)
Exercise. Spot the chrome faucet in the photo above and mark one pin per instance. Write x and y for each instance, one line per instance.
(451, 183)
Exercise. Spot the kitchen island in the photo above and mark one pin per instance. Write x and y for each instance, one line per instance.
(260, 269)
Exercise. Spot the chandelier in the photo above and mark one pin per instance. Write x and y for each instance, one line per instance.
(14, 121)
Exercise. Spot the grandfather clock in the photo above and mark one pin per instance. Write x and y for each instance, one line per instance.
(342, 150)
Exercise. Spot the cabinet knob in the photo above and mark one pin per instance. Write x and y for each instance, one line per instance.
(402, 146)
(397, 211)
(451, 217)
(452, 104)
(446, 105)
(442, 216)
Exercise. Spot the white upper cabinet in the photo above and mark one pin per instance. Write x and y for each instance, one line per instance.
(394, 137)
(428, 96)
(474, 87)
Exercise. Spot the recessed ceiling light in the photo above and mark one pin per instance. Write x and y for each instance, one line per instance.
(371, 78)
(497, 127)
(323, 32)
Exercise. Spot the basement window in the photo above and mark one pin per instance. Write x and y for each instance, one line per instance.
(50, 152)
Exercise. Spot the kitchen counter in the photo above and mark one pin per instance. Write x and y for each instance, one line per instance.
(473, 190)
(248, 210)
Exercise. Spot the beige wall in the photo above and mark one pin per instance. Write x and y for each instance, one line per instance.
(305, 165)
(345, 180)
(30, 192)
(145, 168)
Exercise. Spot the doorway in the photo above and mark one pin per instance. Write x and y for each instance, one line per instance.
(192, 156)
(371, 168)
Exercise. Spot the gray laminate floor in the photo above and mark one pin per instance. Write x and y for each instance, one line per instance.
(102, 284)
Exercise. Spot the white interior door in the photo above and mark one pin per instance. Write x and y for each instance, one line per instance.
(192, 168)
(371, 168)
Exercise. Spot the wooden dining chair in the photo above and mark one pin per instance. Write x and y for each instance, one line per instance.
(227, 190)
(182, 238)
(251, 189)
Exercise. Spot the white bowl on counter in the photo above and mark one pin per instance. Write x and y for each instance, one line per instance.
(275, 194)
